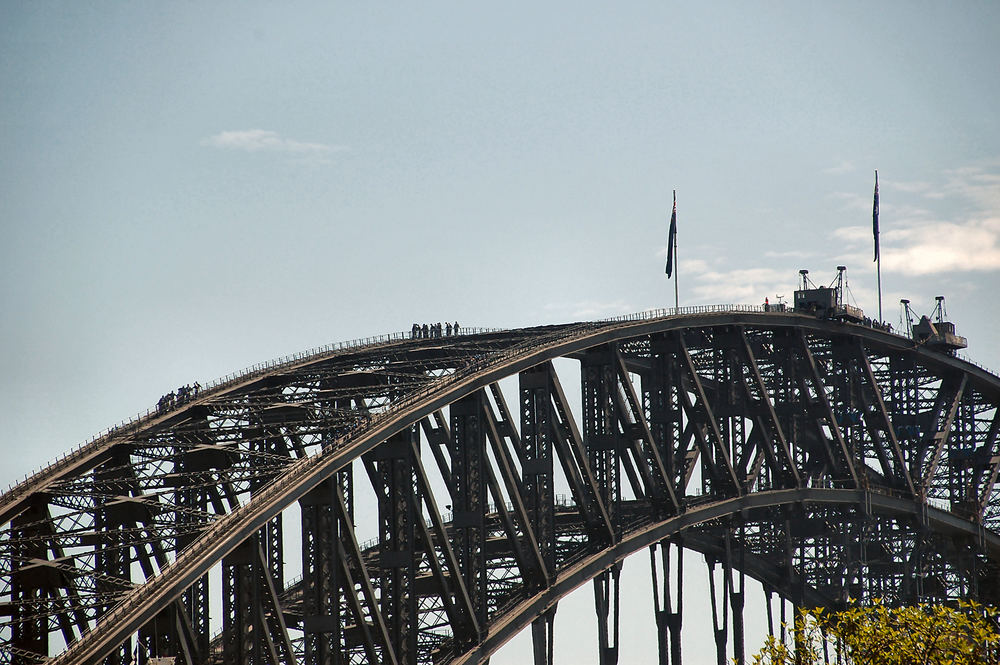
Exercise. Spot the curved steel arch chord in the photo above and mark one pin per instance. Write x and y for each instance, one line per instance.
(707, 528)
(589, 567)
(737, 411)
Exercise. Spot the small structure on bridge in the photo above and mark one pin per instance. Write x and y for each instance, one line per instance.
(934, 331)
(826, 302)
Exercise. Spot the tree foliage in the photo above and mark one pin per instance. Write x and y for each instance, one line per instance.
(928, 634)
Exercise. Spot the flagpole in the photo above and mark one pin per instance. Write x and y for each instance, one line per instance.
(676, 299)
(878, 270)
(878, 254)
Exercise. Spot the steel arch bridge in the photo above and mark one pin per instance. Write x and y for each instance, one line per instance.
(829, 461)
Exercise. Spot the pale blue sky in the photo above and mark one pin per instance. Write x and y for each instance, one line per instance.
(189, 188)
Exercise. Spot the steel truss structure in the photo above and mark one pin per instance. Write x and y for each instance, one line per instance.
(829, 461)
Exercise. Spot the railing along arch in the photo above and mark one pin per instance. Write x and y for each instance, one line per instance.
(828, 460)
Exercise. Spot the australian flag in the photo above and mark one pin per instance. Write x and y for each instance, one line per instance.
(672, 238)
(874, 220)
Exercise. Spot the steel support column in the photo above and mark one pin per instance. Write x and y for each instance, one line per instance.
(30, 585)
(397, 516)
(607, 603)
(660, 388)
(243, 638)
(668, 606)
(468, 460)
(322, 620)
(543, 638)
(720, 625)
(112, 556)
(601, 437)
(537, 435)
(194, 463)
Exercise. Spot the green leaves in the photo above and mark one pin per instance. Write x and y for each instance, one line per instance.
(964, 633)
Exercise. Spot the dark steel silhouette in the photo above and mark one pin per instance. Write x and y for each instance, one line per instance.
(828, 460)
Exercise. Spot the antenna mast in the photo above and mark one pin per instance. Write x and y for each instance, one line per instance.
(907, 318)
(939, 309)
(840, 285)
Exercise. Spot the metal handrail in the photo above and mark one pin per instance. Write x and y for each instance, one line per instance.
(762, 309)
(301, 469)
(64, 459)
(95, 442)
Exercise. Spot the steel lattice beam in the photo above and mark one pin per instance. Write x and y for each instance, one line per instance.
(829, 461)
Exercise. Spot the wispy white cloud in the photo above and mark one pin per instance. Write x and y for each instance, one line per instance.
(978, 185)
(592, 309)
(843, 167)
(738, 285)
(913, 187)
(788, 254)
(853, 234)
(694, 266)
(930, 247)
(921, 241)
(854, 202)
(938, 247)
(264, 140)
(920, 236)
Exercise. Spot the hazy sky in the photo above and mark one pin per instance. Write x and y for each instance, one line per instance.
(189, 188)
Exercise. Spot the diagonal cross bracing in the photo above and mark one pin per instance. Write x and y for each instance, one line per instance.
(262, 444)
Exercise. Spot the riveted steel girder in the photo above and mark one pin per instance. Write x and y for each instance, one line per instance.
(830, 461)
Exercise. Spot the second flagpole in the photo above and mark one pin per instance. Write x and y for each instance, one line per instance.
(672, 251)
(676, 262)
(878, 255)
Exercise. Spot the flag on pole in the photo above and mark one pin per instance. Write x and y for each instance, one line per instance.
(672, 238)
(875, 216)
